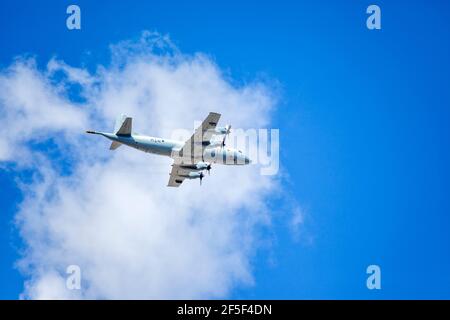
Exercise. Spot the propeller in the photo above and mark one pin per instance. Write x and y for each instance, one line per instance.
(201, 177)
(208, 168)
(228, 130)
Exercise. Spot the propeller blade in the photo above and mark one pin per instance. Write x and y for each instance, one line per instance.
(228, 130)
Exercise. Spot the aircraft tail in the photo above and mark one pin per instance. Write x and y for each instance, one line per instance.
(122, 128)
(123, 125)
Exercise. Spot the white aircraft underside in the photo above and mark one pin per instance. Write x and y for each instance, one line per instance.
(191, 158)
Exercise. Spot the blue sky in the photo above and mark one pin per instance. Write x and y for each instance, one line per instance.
(363, 117)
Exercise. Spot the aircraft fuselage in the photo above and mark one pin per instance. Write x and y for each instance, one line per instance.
(171, 148)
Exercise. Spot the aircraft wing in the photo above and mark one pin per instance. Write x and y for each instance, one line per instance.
(193, 148)
(175, 179)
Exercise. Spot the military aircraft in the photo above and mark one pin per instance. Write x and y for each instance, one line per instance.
(191, 158)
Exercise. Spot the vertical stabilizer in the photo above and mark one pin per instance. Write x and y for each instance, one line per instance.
(123, 126)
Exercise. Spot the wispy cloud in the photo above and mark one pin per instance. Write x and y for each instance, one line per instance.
(110, 212)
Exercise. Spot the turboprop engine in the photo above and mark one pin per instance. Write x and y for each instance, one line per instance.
(223, 130)
(193, 175)
(199, 166)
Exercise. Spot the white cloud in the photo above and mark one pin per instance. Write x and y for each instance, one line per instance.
(111, 212)
(32, 108)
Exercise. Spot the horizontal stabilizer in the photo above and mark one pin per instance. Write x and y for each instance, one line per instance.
(114, 145)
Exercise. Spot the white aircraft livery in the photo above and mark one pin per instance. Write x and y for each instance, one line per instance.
(191, 158)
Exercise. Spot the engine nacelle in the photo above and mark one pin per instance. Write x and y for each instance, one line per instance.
(202, 165)
(194, 175)
(198, 166)
(223, 130)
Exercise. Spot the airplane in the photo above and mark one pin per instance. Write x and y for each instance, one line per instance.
(191, 158)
